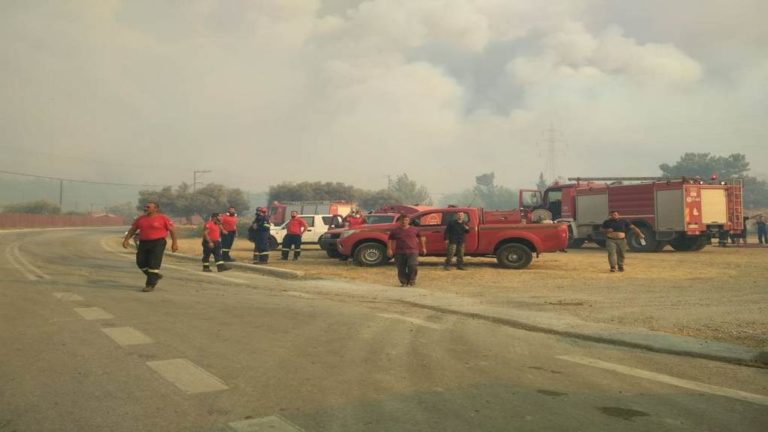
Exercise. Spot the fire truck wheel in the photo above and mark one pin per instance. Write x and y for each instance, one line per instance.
(689, 244)
(370, 254)
(273, 244)
(575, 243)
(651, 244)
(514, 256)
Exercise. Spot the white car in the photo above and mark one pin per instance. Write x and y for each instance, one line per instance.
(317, 226)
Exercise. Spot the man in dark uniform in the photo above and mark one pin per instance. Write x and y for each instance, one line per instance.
(455, 232)
(228, 224)
(259, 233)
(616, 230)
(153, 228)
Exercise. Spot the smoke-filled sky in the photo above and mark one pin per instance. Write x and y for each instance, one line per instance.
(264, 91)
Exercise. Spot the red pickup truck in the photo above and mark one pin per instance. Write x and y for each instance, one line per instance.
(513, 245)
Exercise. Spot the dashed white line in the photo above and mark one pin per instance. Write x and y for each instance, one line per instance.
(412, 321)
(272, 423)
(94, 313)
(127, 336)
(187, 376)
(300, 294)
(691, 385)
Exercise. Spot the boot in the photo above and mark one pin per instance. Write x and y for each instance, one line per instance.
(296, 255)
(221, 267)
(207, 268)
(264, 258)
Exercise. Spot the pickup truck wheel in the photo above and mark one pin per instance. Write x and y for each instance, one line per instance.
(370, 254)
(514, 256)
(273, 244)
(333, 253)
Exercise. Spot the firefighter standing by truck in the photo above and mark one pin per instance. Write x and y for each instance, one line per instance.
(229, 224)
(153, 228)
(258, 233)
(295, 228)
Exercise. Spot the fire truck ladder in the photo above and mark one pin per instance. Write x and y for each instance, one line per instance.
(736, 203)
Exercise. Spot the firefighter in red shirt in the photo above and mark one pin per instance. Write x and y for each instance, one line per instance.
(212, 233)
(295, 228)
(229, 224)
(153, 228)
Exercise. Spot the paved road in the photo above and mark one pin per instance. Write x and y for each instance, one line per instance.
(83, 350)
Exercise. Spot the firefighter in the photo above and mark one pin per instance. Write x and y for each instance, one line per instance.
(258, 232)
(153, 228)
(212, 233)
(295, 228)
(228, 224)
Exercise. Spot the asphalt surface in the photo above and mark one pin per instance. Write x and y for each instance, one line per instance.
(85, 350)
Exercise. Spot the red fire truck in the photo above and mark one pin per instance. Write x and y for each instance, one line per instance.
(684, 213)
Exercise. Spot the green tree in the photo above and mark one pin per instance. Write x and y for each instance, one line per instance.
(491, 196)
(33, 207)
(704, 165)
(409, 192)
(733, 166)
(182, 202)
(372, 200)
(313, 191)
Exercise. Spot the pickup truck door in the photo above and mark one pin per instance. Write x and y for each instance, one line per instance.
(310, 236)
(432, 226)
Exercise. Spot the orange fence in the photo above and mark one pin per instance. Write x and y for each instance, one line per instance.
(21, 220)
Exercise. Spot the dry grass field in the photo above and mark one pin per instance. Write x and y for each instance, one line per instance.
(717, 293)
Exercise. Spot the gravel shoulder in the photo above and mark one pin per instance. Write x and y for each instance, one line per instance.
(717, 293)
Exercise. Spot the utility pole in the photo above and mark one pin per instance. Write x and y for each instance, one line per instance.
(61, 193)
(194, 178)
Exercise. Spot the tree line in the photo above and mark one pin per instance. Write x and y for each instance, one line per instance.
(182, 201)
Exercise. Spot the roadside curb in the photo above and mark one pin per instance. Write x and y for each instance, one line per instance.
(612, 335)
(566, 326)
(256, 268)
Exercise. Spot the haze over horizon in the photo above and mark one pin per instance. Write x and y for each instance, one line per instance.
(261, 92)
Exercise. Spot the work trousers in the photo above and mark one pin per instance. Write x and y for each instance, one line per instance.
(762, 234)
(407, 267)
(455, 249)
(149, 258)
(261, 247)
(227, 240)
(289, 241)
(616, 251)
(215, 251)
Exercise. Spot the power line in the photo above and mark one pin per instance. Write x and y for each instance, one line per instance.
(78, 180)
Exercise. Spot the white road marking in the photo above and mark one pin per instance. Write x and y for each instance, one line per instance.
(67, 296)
(300, 294)
(691, 385)
(13, 262)
(272, 424)
(31, 268)
(127, 336)
(94, 313)
(412, 320)
(187, 376)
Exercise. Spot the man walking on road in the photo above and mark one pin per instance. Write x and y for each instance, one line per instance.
(295, 228)
(616, 230)
(229, 224)
(153, 228)
(212, 233)
(403, 244)
(455, 232)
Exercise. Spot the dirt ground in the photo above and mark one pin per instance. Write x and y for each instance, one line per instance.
(717, 293)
